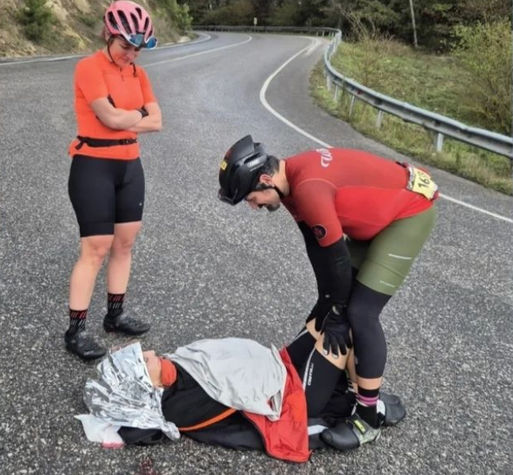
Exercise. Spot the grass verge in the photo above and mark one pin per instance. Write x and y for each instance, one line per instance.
(432, 88)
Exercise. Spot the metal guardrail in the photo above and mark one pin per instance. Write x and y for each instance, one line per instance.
(440, 125)
(316, 30)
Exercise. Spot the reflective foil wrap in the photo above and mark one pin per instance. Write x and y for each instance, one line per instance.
(123, 394)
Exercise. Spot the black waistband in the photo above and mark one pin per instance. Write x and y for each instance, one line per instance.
(92, 142)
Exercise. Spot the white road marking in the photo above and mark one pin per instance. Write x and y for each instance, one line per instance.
(475, 208)
(303, 132)
(313, 47)
(204, 38)
(263, 100)
(199, 53)
(41, 60)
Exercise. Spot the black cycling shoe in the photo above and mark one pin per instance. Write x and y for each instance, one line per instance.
(350, 434)
(392, 411)
(83, 345)
(125, 324)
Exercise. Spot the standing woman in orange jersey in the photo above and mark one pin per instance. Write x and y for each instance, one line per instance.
(114, 102)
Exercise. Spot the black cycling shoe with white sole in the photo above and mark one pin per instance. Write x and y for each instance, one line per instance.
(123, 323)
(83, 345)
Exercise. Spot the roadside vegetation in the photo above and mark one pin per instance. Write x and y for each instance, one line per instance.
(471, 83)
(36, 19)
(30, 27)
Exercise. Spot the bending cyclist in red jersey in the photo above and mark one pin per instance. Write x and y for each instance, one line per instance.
(114, 102)
(364, 219)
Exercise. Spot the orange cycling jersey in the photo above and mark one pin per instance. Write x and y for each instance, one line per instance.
(128, 88)
(352, 192)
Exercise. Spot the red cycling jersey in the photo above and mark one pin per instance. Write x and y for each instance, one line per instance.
(352, 192)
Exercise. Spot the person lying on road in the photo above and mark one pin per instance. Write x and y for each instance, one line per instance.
(231, 392)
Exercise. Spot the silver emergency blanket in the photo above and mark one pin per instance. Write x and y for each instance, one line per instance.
(236, 372)
(123, 394)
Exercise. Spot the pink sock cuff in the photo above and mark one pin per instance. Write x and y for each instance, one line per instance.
(367, 401)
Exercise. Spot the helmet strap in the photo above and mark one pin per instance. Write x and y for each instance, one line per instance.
(263, 186)
(109, 42)
(280, 193)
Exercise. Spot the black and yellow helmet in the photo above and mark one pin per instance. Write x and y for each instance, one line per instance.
(240, 170)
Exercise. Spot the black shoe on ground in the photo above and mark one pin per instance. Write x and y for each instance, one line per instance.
(123, 323)
(350, 434)
(390, 409)
(83, 345)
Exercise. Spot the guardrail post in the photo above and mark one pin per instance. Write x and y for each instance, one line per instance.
(439, 141)
(351, 106)
(328, 82)
(335, 95)
(379, 119)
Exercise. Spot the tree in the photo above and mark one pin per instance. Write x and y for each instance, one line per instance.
(356, 16)
(262, 9)
(284, 13)
(486, 11)
(485, 50)
(238, 12)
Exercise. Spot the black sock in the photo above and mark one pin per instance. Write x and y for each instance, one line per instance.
(300, 348)
(366, 405)
(319, 380)
(115, 304)
(77, 319)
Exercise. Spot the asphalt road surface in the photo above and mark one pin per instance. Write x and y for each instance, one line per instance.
(204, 269)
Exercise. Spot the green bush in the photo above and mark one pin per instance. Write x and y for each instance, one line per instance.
(178, 14)
(37, 19)
(484, 50)
(183, 18)
(241, 12)
(285, 14)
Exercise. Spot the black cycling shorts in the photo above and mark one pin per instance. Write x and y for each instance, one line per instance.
(104, 192)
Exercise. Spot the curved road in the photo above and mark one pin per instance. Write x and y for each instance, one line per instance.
(203, 269)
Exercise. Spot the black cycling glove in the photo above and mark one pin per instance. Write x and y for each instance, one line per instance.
(320, 310)
(336, 331)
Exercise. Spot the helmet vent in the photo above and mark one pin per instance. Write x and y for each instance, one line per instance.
(124, 21)
(112, 21)
(135, 21)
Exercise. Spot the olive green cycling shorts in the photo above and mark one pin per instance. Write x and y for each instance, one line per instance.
(384, 261)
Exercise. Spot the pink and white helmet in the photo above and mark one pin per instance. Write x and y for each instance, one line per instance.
(132, 22)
